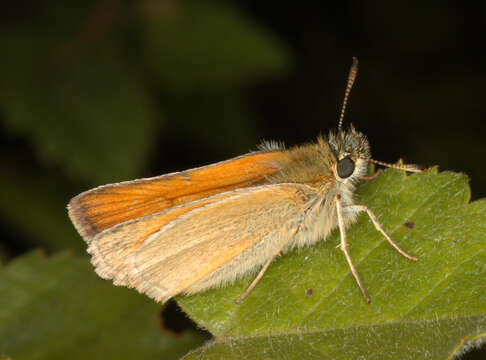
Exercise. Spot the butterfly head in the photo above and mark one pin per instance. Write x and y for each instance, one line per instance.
(351, 150)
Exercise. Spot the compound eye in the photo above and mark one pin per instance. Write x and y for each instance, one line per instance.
(345, 167)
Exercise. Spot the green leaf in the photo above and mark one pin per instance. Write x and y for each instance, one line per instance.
(308, 305)
(202, 44)
(81, 108)
(53, 308)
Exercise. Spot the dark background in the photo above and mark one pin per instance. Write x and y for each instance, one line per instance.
(98, 92)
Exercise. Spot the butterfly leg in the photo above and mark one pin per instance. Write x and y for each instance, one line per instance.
(262, 271)
(256, 280)
(344, 247)
(371, 177)
(359, 208)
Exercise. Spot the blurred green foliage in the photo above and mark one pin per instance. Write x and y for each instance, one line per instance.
(226, 49)
(55, 307)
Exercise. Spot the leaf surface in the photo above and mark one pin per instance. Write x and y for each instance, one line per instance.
(55, 307)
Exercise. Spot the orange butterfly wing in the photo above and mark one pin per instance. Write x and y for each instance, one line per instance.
(106, 206)
(110, 248)
(208, 237)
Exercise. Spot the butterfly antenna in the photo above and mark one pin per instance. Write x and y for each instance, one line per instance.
(407, 167)
(353, 71)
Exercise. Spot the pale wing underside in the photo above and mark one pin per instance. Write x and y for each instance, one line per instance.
(196, 244)
(111, 248)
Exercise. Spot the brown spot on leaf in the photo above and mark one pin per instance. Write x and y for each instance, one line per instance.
(409, 224)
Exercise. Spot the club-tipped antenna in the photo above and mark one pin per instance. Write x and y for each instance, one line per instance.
(353, 71)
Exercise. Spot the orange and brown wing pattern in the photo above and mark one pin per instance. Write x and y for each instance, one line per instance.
(125, 238)
(194, 240)
(106, 206)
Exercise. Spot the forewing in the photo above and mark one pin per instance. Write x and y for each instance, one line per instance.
(106, 206)
(201, 241)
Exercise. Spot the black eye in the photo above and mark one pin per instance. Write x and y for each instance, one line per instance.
(345, 167)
